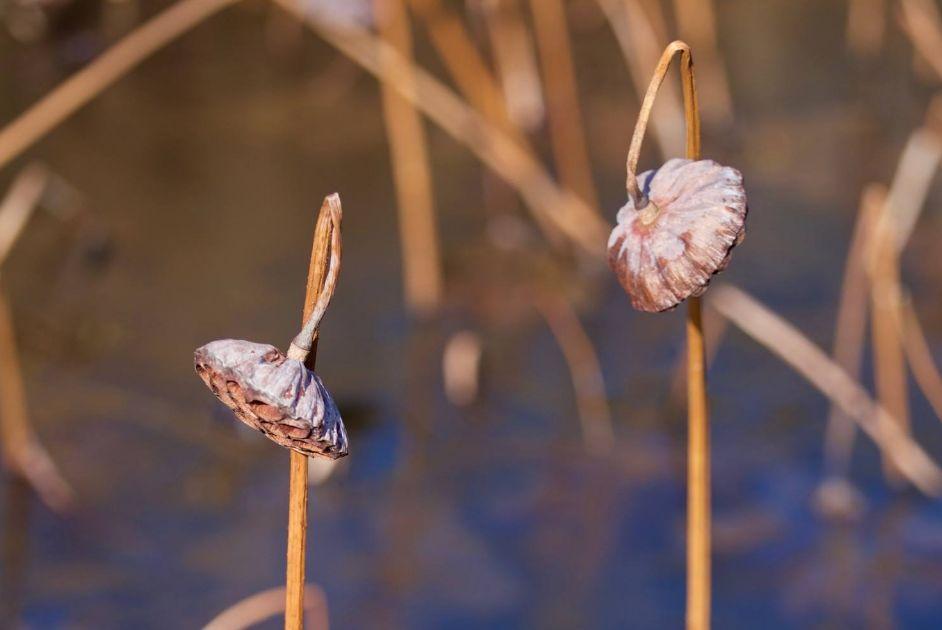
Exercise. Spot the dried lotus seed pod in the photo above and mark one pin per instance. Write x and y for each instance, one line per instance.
(274, 394)
(668, 245)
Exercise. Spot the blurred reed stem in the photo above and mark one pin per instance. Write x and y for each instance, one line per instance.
(919, 355)
(889, 363)
(103, 71)
(468, 69)
(514, 59)
(588, 383)
(866, 26)
(885, 223)
(921, 20)
(580, 223)
(421, 258)
(260, 607)
(790, 345)
(567, 134)
(850, 326)
(22, 452)
(641, 39)
(696, 25)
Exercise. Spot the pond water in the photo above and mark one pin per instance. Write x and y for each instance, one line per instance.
(200, 173)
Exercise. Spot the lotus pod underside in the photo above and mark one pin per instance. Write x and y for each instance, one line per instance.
(691, 216)
(274, 394)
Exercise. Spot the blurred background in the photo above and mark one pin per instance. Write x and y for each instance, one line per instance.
(518, 433)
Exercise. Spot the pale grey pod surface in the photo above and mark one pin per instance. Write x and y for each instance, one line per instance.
(274, 394)
(695, 213)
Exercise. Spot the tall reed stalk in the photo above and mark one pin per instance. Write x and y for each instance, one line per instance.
(412, 173)
(698, 445)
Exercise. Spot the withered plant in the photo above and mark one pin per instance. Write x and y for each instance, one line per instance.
(677, 230)
(280, 395)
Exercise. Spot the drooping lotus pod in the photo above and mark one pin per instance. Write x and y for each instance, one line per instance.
(274, 394)
(668, 244)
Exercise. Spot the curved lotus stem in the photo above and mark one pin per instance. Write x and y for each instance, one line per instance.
(691, 114)
(301, 345)
(698, 419)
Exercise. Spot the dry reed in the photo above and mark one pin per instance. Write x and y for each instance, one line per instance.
(866, 26)
(696, 25)
(515, 61)
(573, 217)
(412, 173)
(588, 383)
(803, 356)
(641, 44)
(884, 226)
(107, 68)
(919, 355)
(21, 449)
(850, 326)
(567, 135)
(921, 20)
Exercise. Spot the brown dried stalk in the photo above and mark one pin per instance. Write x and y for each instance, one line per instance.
(21, 448)
(696, 24)
(421, 260)
(895, 213)
(921, 20)
(515, 61)
(321, 281)
(641, 44)
(850, 327)
(580, 223)
(585, 369)
(919, 355)
(866, 26)
(111, 65)
(468, 69)
(567, 135)
(789, 344)
(889, 363)
(259, 607)
(18, 205)
(461, 366)
(465, 64)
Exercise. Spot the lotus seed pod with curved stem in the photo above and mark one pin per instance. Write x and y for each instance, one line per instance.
(677, 231)
(274, 394)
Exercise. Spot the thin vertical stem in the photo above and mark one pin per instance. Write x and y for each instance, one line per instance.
(328, 222)
(297, 542)
(698, 409)
(698, 475)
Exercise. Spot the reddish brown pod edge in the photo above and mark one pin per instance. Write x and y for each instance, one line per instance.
(273, 394)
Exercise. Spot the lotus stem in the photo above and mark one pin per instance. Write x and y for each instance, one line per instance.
(698, 445)
(321, 281)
